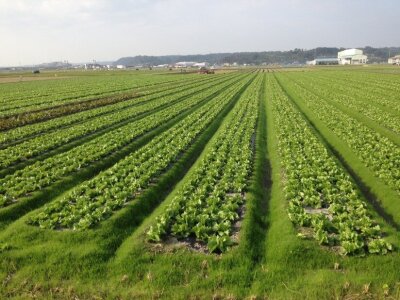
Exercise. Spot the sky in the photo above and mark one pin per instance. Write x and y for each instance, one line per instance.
(36, 31)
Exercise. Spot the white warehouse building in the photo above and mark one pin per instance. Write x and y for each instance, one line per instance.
(395, 60)
(352, 57)
(185, 64)
(201, 65)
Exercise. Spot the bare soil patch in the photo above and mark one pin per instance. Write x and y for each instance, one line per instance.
(29, 78)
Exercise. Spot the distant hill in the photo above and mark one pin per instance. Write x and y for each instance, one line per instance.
(170, 59)
(375, 55)
(54, 65)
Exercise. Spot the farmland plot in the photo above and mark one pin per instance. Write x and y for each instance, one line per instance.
(247, 184)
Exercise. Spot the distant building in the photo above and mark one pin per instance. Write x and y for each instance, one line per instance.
(352, 57)
(395, 60)
(93, 66)
(185, 64)
(323, 61)
(121, 67)
(162, 66)
(201, 65)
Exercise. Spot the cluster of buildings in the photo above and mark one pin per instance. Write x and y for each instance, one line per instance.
(345, 57)
(182, 64)
(350, 57)
(190, 64)
(96, 66)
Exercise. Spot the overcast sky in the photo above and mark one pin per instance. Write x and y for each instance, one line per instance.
(35, 31)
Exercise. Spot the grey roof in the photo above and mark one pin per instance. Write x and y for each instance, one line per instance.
(326, 59)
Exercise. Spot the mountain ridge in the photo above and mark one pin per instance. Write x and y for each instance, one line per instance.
(375, 55)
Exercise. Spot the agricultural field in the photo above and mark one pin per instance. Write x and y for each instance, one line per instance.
(244, 184)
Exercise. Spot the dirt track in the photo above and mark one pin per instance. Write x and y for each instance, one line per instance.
(28, 78)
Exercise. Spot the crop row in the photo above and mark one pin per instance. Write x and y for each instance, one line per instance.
(145, 89)
(377, 81)
(377, 152)
(349, 97)
(371, 83)
(96, 199)
(43, 173)
(373, 92)
(34, 129)
(75, 92)
(34, 116)
(19, 120)
(207, 206)
(319, 192)
(69, 90)
(42, 143)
